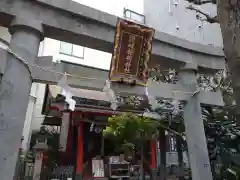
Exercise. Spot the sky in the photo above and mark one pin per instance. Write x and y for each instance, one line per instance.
(114, 7)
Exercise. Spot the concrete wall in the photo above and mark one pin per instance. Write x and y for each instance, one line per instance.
(27, 125)
(169, 15)
(37, 117)
(4, 35)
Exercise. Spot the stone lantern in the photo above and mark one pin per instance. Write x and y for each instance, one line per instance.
(40, 147)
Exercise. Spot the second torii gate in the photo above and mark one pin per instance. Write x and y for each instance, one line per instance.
(186, 90)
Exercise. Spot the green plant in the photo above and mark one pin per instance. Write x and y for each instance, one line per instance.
(129, 131)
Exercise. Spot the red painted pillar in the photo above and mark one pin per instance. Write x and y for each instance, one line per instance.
(153, 164)
(79, 164)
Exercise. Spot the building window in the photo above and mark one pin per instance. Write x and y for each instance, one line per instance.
(71, 50)
(129, 14)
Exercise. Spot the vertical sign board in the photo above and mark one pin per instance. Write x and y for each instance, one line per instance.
(132, 50)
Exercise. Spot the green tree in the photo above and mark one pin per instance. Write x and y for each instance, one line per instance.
(130, 132)
(223, 138)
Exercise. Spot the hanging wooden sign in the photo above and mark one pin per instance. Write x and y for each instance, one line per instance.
(132, 50)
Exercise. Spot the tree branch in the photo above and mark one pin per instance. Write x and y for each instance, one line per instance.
(209, 18)
(171, 130)
(200, 2)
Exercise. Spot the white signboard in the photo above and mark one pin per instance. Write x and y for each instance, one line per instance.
(172, 158)
(97, 168)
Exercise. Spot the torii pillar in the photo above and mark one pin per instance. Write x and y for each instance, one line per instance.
(15, 89)
(196, 140)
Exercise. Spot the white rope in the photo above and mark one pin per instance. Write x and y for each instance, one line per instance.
(21, 60)
(49, 70)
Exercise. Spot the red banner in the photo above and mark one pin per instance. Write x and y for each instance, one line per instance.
(131, 55)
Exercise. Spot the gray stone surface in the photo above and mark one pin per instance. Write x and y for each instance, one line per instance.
(69, 21)
(195, 135)
(3, 57)
(14, 95)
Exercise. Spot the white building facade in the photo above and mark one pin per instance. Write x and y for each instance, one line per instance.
(173, 17)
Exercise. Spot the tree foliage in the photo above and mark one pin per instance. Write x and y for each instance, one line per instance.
(223, 139)
(129, 131)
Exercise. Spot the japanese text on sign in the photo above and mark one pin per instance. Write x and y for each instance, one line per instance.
(130, 53)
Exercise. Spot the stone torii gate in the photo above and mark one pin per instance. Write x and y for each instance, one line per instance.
(30, 21)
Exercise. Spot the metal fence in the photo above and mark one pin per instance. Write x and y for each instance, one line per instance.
(59, 173)
(25, 171)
